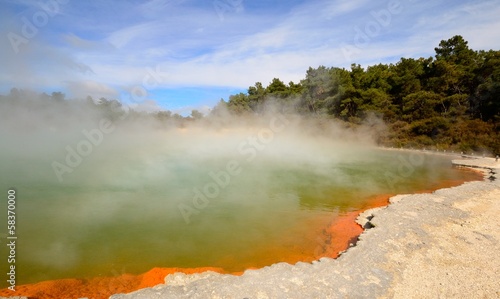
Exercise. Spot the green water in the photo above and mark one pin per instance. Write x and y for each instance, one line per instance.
(121, 212)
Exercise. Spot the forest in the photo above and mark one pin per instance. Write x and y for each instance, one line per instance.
(447, 102)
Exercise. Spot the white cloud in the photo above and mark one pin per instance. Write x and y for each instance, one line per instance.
(82, 89)
(341, 7)
(477, 22)
(125, 35)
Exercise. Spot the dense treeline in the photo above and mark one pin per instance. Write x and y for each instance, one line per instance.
(450, 101)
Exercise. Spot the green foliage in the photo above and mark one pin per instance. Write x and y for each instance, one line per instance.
(451, 100)
(256, 96)
(421, 105)
(278, 89)
(195, 114)
(239, 104)
(220, 110)
(406, 77)
(486, 99)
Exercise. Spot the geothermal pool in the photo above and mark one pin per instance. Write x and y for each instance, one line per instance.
(217, 200)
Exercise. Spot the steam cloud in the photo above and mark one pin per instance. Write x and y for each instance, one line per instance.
(102, 178)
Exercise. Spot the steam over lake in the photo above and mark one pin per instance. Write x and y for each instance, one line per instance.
(233, 197)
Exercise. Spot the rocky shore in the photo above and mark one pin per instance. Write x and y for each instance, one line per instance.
(439, 245)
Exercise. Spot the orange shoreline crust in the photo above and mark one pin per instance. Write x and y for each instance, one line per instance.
(340, 234)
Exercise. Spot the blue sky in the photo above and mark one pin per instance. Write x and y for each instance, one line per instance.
(188, 54)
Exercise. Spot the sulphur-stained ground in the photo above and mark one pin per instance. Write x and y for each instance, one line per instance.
(439, 245)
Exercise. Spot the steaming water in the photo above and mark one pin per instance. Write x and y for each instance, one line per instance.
(119, 211)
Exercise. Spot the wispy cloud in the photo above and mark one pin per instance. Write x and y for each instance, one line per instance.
(126, 35)
(82, 89)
